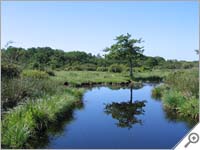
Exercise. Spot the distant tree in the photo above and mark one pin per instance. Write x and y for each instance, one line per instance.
(151, 62)
(125, 48)
(13, 54)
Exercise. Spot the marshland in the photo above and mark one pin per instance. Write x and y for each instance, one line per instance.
(75, 82)
(37, 97)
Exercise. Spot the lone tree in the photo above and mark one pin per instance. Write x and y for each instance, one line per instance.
(126, 49)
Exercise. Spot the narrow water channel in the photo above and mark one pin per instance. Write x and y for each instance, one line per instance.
(110, 118)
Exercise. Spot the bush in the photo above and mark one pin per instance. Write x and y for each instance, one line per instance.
(16, 90)
(103, 69)
(89, 67)
(50, 72)
(140, 69)
(35, 74)
(79, 67)
(116, 68)
(10, 70)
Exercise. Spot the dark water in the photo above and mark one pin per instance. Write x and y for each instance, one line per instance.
(110, 119)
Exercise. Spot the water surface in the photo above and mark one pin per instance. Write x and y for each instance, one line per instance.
(119, 118)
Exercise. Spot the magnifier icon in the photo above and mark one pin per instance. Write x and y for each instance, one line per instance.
(193, 138)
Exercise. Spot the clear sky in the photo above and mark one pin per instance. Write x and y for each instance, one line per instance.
(169, 29)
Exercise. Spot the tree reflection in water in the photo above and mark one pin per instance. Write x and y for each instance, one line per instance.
(125, 112)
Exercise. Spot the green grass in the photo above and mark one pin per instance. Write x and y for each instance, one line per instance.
(17, 90)
(173, 99)
(190, 108)
(22, 122)
(185, 107)
(78, 77)
(158, 91)
(156, 73)
(180, 93)
(46, 99)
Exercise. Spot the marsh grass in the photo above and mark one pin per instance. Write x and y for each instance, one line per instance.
(78, 77)
(158, 91)
(22, 122)
(187, 82)
(35, 74)
(18, 90)
(180, 93)
(185, 107)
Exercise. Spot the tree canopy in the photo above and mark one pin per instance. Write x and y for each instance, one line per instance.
(126, 49)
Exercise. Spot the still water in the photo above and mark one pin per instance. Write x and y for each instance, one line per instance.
(119, 118)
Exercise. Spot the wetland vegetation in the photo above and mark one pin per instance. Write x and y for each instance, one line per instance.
(40, 85)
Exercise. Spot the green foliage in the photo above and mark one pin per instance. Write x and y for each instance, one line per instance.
(184, 107)
(157, 92)
(139, 69)
(42, 58)
(21, 123)
(173, 99)
(81, 67)
(186, 82)
(125, 49)
(78, 77)
(13, 55)
(180, 93)
(88, 67)
(150, 62)
(190, 108)
(116, 68)
(19, 89)
(50, 72)
(103, 69)
(35, 74)
(9, 70)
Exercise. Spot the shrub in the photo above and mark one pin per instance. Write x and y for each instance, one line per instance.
(88, 67)
(140, 69)
(16, 90)
(35, 74)
(116, 68)
(103, 69)
(9, 70)
(81, 67)
(50, 72)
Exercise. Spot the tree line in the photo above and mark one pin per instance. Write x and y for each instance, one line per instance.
(124, 55)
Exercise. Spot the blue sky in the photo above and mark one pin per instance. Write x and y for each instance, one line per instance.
(169, 29)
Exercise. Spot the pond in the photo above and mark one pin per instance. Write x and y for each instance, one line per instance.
(119, 118)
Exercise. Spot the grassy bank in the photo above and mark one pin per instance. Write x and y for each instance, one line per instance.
(78, 77)
(33, 100)
(22, 122)
(180, 93)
